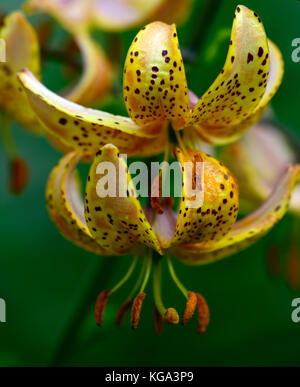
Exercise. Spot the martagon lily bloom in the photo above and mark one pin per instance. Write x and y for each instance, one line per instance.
(257, 160)
(119, 225)
(156, 93)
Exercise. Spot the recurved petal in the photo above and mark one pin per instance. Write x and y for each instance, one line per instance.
(97, 74)
(248, 230)
(173, 11)
(227, 135)
(21, 50)
(113, 212)
(155, 85)
(73, 14)
(86, 130)
(258, 160)
(118, 15)
(210, 212)
(65, 204)
(240, 87)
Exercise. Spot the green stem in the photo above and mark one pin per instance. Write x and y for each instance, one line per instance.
(87, 295)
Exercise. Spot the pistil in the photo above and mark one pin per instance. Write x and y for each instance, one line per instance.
(169, 315)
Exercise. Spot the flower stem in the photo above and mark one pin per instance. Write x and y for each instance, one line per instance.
(87, 294)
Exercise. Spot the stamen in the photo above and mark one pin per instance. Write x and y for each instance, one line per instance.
(190, 308)
(180, 142)
(100, 306)
(136, 309)
(203, 313)
(175, 278)
(126, 277)
(190, 296)
(104, 295)
(122, 311)
(169, 316)
(19, 170)
(138, 301)
(155, 199)
(293, 270)
(168, 202)
(157, 321)
(125, 306)
(19, 175)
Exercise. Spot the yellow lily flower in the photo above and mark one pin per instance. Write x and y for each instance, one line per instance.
(257, 160)
(119, 225)
(156, 92)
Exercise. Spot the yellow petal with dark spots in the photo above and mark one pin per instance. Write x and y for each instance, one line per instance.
(113, 212)
(248, 230)
(22, 50)
(65, 204)
(97, 74)
(240, 87)
(211, 215)
(86, 130)
(155, 85)
(228, 135)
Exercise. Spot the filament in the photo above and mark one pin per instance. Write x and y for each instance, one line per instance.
(181, 143)
(139, 280)
(126, 277)
(170, 315)
(157, 287)
(147, 271)
(175, 278)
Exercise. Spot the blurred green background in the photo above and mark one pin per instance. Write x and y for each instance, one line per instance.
(50, 286)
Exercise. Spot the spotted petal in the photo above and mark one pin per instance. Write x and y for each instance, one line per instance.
(86, 130)
(212, 216)
(114, 215)
(65, 204)
(257, 160)
(96, 78)
(22, 50)
(248, 230)
(238, 91)
(155, 85)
